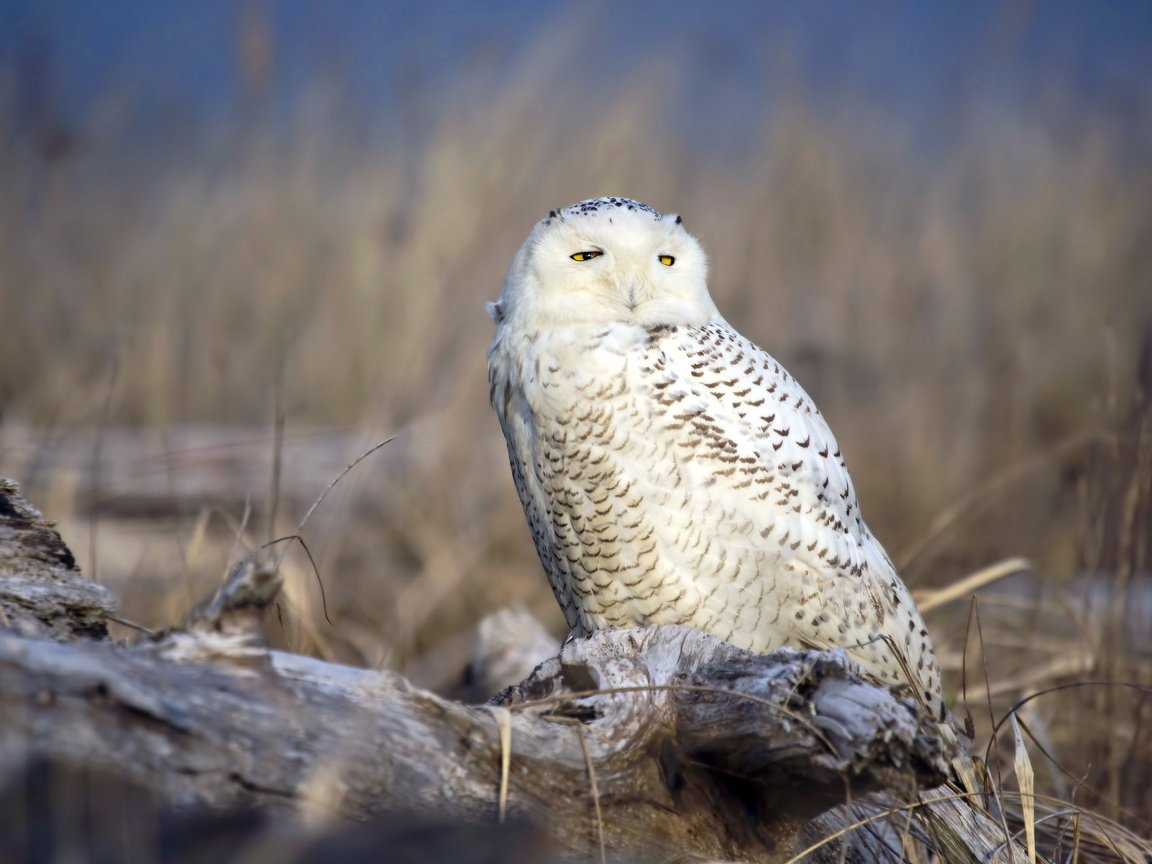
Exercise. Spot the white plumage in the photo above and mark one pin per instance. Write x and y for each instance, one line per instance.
(673, 472)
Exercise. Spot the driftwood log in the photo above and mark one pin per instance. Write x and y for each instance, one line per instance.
(661, 744)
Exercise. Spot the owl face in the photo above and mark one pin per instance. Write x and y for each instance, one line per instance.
(607, 260)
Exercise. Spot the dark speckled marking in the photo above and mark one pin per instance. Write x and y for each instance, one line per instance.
(597, 205)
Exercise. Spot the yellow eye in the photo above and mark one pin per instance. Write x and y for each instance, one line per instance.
(586, 256)
(666, 260)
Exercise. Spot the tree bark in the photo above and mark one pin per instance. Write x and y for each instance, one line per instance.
(42, 593)
(652, 744)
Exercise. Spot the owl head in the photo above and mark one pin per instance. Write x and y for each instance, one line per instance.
(606, 260)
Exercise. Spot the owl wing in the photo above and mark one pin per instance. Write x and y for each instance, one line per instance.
(772, 503)
(747, 433)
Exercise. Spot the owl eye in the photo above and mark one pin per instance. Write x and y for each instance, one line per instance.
(666, 260)
(586, 256)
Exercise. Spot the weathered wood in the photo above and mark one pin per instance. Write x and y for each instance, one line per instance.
(42, 592)
(670, 761)
(155, 472)
(653, 744)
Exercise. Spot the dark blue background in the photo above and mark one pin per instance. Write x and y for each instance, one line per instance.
(165, 58)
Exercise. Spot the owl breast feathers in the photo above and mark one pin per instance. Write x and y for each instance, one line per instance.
(671, 471)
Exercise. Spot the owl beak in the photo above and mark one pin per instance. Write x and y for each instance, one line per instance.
(634, 294)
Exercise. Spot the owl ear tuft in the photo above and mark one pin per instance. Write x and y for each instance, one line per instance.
(496, 312)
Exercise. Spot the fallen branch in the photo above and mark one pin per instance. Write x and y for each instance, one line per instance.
(653, 744)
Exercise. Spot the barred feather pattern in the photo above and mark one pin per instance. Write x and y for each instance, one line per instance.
(678, 474)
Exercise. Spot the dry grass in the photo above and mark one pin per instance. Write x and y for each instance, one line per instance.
(969, 319)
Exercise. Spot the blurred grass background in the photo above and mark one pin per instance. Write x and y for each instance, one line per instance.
(968, 298)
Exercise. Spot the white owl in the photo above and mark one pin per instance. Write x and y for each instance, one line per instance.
(671, 471)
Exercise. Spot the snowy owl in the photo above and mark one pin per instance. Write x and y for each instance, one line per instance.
(671, 471)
